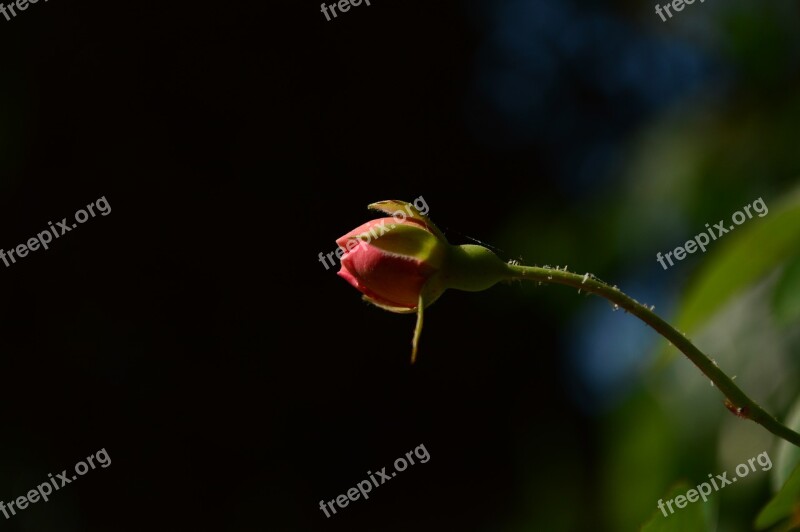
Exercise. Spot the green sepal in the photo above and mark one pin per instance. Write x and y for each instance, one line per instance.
(418, 328)
(389, 308)
(392, 206)
(409, 241)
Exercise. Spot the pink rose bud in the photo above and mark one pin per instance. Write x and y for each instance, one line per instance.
(390, 261)
(404, 263)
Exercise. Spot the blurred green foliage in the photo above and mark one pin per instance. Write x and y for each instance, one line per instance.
(786, 504)
(697, 163)
(695, 517)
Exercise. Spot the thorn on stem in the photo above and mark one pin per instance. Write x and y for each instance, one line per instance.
(737, 411)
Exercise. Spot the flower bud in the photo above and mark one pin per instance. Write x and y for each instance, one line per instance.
(403, 264)
(391, 261)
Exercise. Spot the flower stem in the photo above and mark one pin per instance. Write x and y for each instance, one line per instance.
(736, 400)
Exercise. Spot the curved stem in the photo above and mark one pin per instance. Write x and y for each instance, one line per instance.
(736, 400)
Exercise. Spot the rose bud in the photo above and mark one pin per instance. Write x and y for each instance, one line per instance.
(404, 263)
(390, 262)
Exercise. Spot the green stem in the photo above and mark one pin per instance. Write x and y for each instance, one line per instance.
(736, 400)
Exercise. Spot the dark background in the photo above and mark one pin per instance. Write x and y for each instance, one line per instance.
(234, 381)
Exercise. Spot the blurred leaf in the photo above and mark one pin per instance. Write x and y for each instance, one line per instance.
(786, 298)
(747, 255)
(694, 517)
(785, 504)
(788, 455)
(750, 27)
(639, 437)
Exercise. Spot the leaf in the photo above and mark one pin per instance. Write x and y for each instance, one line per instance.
(785, 504)
(786, 297)
(787, 454)
(694, 517)
(745, 256)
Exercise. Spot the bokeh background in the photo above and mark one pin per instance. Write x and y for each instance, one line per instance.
(235, 382)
